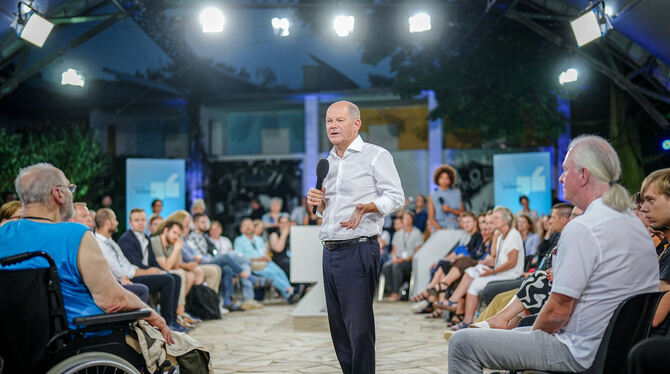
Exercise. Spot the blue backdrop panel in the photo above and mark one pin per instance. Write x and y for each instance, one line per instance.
(148, 179)
(519, 174)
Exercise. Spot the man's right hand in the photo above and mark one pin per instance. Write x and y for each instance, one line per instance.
(178, 245)
(157, 321)
(189, 266)
(315, 198)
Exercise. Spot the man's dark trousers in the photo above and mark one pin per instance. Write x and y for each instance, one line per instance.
(350, 277)
(168, 285)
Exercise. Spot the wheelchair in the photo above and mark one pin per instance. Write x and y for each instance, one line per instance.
(34, 333)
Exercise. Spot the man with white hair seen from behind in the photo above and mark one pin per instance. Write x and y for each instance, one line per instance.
(86, 281)
(605, 256)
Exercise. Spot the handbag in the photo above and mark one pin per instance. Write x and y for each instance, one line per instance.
(258, 265)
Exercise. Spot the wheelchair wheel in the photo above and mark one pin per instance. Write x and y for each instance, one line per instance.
(94, 362)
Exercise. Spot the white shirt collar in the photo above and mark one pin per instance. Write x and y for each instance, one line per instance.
(102, 237)
(356, 145)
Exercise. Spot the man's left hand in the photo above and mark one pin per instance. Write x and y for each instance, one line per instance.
(355, 219)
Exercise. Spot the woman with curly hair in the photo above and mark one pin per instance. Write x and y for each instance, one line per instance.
(444, 204)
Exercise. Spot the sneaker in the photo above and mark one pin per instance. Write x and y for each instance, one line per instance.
(223, 310)
(174, 326)
(233, 308)
(419, 306)
(183, 323)
(191, 319)
(251, 304)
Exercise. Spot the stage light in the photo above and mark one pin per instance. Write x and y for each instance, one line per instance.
(419, 22)
(608, 11)
(666, 145)
(591, 25)
(212, 20)
(568, 76)
(281, 26)
(344, 25)
(31, 26)
(73, 78)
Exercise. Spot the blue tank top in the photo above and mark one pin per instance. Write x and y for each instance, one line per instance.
(451, 197)
(61, 241)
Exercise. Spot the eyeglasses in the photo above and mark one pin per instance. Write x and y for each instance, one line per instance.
(72, 187)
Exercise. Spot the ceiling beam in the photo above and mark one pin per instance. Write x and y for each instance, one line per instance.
(618, 78)
(33, 69)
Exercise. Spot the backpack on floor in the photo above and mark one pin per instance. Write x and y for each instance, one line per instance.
(203, 302)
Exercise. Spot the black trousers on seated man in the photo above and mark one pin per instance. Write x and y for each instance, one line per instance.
(169, 286)
(350, 277)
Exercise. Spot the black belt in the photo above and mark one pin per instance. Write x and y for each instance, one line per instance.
(337, 244)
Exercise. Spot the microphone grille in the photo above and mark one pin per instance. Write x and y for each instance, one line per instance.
(322, 168)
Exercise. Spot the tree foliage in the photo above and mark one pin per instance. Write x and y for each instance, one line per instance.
(71, 148)
(506, 87)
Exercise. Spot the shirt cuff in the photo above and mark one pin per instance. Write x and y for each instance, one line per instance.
(384, 205)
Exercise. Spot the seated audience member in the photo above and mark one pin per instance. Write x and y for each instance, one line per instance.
(604, 257)
(405, 243)
(525, 208)
(154, 223)
(136, 247)
(134, 278)
(508, 265)
(280, 244)
(81, 215)
(259, 231)
(156, 207)
(167, 247)
(91, 222)
(534, 292)
(222, 244)
(256, 210)
(10, 211)
(655, 193)
(299, 213)
(271, 218)
(198, 206)
(87, 284)
(530, 239)
(439, 286)
(420, 214)
(651, 355)
(231, 264)
(209, 275)
(561, 213)
(253, 248)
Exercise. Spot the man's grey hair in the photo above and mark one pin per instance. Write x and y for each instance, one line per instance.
(278, 200)
(505, 214)
(354, 111)
(34, 183)
(597, 155)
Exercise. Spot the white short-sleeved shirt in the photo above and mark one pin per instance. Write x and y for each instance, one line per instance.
(512, 242)
(604, 256)
(406, 242)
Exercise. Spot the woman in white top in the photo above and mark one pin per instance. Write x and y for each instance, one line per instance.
(508, 265)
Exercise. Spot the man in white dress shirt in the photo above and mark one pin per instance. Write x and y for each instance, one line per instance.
(604, 256)
(362, 187)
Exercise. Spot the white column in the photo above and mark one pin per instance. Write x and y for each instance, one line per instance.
(311, 157)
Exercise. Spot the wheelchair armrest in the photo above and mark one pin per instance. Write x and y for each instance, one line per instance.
(100, 319)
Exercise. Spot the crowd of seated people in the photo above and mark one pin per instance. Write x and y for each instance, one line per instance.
(160, 259)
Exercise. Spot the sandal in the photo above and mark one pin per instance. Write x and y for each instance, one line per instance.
(449, 305)
(437, 313)
(456, 319)
(420, 297)
(460, 326)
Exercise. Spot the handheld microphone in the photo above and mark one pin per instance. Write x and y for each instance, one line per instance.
(441, 200)
(321, 172)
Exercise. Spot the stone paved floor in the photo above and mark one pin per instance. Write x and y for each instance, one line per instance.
(269, 340)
